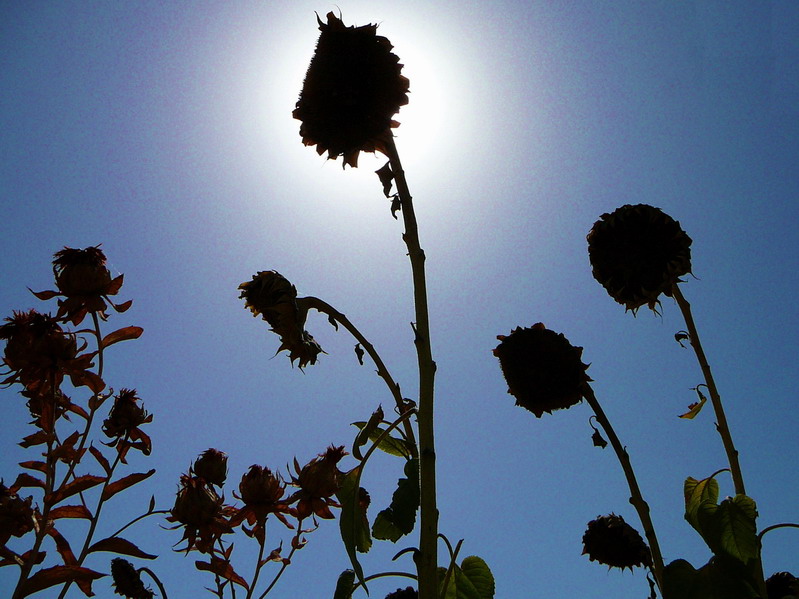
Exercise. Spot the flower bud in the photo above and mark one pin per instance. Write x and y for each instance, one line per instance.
(16, 515)
(126, 415)
(260, 489)
(211, 466)
(609, 540)
(543, 370)
(638, 252)
(406, 593)
(81, 272)
(196, 504)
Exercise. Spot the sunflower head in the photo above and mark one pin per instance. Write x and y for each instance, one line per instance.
(543, 370)
(611, 541)
(638, 252)
(352, 90)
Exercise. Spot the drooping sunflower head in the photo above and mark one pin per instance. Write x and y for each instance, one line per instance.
(638, 252)
(352, 90)
(609, 540)
(543, 370)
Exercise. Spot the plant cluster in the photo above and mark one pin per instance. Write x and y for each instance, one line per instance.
(353, 89)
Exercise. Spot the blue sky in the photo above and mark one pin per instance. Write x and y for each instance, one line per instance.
(164, 132)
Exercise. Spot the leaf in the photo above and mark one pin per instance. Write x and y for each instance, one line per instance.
(44, 295)
(26, 480)
(224, 569)
(386, 178)
(700, 496)
(391, 445)
(121, 546)
(62, 546)
(738, 531)
(78, 485)
(49, 577)
(720, 578)
(479, 574)
(122, 334)
(71, 511)
(36, 438)
(123, 307)
(34, 465)
(359, 353)
(353, 524)
(695, 408)
(366, 431)
(100, 459)
(87, 378)
(399, 518)
(345, 585)
(125, 482)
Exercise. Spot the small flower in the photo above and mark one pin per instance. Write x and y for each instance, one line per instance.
(543, 370)
(318, 481)
(212, 467)
(127, 581)
(638, 252)
(406, 593)
(352, 90)
(611, 541)
(16, 515)
(270, 295)
(201, 511)
(39, 353)
(85, 282)
(123, 422)
(782, 585)
(262, 492)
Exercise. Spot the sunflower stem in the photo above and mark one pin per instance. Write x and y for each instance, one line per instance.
(427, 559)
(721, 426)
(636, 499)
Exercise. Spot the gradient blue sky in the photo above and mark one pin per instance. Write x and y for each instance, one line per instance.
(163, 130)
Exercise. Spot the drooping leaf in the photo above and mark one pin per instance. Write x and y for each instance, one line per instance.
(386, 177)
(224, 569)
(125, 482)
(345, 585)
(70, 511)
(62, 546)
(48, 577)
(700, 496)
(121, 546)
(399, 518)
(695, 408)
(353, 524)
(738, 530)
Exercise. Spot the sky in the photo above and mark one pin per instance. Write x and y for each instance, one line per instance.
(163, 130)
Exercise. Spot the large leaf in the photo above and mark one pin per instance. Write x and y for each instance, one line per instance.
(353, 523)
(737, 527)
(78, 485)
(399, 518)
(720, 578)
(71, 511)
(345, 585)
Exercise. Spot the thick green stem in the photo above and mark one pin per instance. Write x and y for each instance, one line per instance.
(636, 499)
(721, 424)
(427, 560)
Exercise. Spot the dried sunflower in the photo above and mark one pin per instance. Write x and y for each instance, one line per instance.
(543, 370)
(638, 252)
(611, 541)
(352, 90)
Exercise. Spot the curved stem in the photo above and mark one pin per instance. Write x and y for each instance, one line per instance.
(156, 580)
(721, 425)
(636, 499)
(428, 536)
(325, 308)
(258, 563)
(774, 527)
